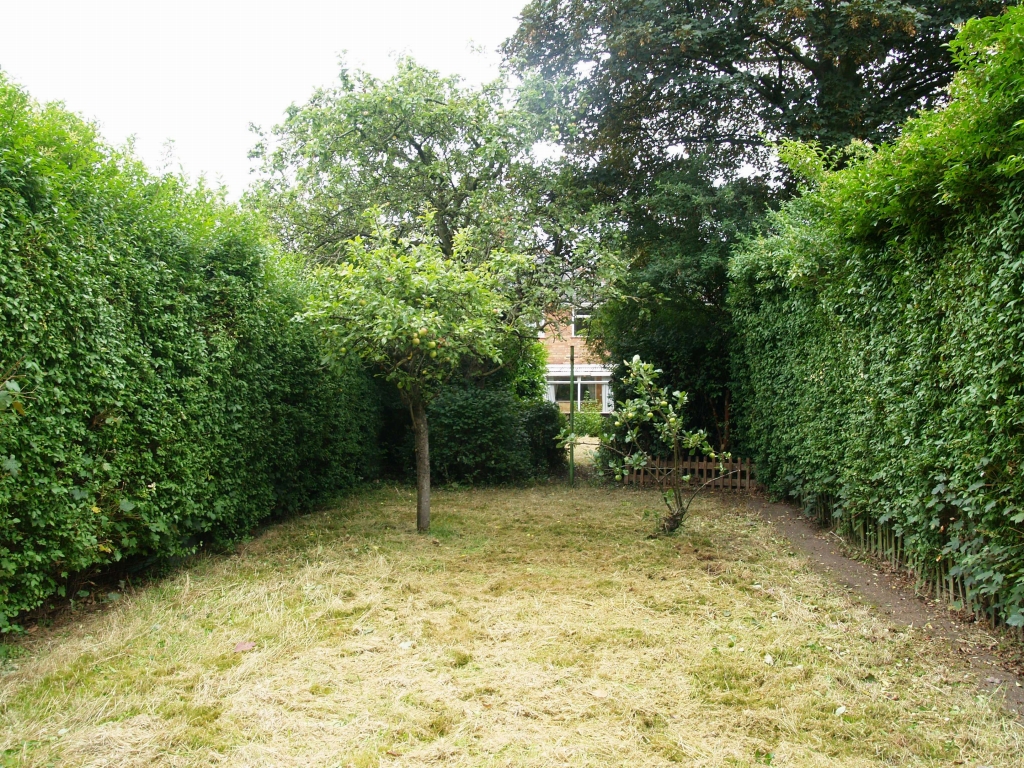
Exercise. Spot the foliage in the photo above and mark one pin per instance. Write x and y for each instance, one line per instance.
(498, 427)
(543, 422)
(669, 306)
(488, 435)
(416, 317)
(523, 368)
(521, 375)
(581, 425)
(420, 164)
(12, 398)
(524, 372)
(588, 421)
(417, 140)
(409, 311)
(881, 353)
(417, 144)
(652, 408)
(165, 398)
(635, 79)
(664, 110)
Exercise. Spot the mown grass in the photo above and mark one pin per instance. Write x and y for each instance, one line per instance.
(533, 627)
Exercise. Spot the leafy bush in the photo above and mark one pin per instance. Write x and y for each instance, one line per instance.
(882, 338)
(588, 421)
(488, 435)
(653, 410)
(543, 422)
(165, 400)
(515, 390)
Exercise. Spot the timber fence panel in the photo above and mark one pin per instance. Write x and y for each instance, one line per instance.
(732, 475)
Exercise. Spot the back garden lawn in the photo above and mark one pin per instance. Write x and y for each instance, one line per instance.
(533, 627)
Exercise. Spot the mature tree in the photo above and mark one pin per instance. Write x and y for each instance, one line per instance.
(420, 163)
(414, 315)
(643, 79)
(666, 108)
(416, 140)
(417, 143)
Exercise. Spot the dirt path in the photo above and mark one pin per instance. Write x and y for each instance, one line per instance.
(893, 595)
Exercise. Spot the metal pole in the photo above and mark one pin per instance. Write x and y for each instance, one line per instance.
(572, 415)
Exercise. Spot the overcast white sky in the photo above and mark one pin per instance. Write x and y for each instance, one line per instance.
(199, 72)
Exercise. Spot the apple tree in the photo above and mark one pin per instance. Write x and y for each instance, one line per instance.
(414, 315)
(649, 422)
(419, 141)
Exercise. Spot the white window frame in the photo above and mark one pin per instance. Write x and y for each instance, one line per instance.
(607, 404)
(576, 314)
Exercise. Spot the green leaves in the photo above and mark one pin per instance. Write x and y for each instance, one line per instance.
(490, 436)
(650, 426)
(410, 312)
(638, 81)
(421, 156)
(11, 396)
(878, 376)
(401, 147)
(154, 393)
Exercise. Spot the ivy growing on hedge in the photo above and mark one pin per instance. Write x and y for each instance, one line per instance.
(881, 324)
(164, 398)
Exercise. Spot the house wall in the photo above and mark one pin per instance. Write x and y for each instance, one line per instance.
(589, 366)
(557, 338)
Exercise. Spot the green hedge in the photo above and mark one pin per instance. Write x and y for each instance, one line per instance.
(490, 436)
(881, 324)
(166, 400)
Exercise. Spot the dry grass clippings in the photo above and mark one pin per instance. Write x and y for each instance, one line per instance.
(533, 627)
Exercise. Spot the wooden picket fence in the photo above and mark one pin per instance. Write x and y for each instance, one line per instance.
(933, 578)
(733, 475)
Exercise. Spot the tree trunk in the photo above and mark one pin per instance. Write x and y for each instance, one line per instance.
(419, 425)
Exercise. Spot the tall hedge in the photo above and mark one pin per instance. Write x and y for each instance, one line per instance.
(157, 395)
(881, 324)
(490, 436)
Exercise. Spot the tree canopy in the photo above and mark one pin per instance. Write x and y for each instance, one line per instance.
(401, 145)
(641, 80)
(371, 152)
(409, 311)
(669, 114)
(670, 305)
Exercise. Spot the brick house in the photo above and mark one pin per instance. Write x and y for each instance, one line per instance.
(593, 376)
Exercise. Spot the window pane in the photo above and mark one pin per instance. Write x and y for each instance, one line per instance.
(580, 325)
(561, 393)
